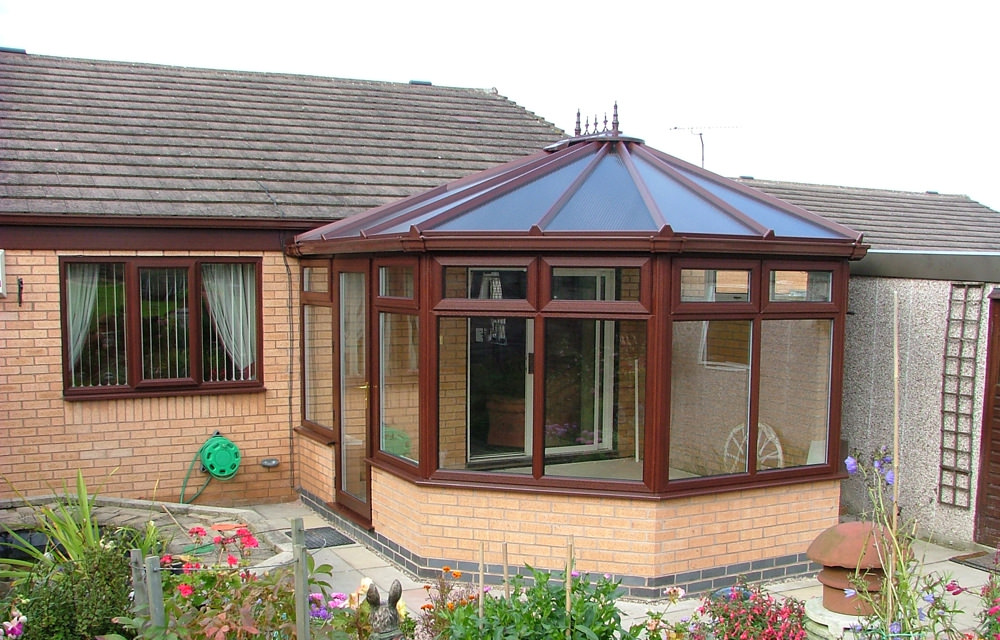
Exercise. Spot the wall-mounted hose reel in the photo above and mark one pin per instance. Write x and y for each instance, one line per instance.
(219, 458)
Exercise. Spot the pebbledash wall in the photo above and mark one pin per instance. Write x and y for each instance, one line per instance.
(700, 543)
(141, 447)
(930, 313)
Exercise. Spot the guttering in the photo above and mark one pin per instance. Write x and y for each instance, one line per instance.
(971, 266)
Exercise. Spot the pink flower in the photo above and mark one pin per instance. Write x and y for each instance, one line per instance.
(198, 532)
(249, 541)
(185, 589)
(217, 540)
(232, 560)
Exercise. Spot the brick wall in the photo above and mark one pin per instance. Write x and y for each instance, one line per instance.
(140, 447)
(697, 542)
(314, 467)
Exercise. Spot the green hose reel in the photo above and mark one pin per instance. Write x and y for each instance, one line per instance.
(220, 457)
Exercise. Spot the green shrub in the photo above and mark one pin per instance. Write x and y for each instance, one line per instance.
(537, 612)
(76, 599)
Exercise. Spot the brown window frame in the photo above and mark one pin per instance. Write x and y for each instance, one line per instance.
(135, 385)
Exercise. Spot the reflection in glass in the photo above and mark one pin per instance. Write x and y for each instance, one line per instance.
(483, 394)
(317, 354)
(595, 284)
(354, 387)
(594, 398)
(795, 390)
(399, 386)
(395, 281)
(316, 279)
(709, 405)
(801, 286)
(486, 283)
(715, 285)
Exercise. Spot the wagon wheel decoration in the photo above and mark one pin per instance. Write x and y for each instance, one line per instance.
(769, 453)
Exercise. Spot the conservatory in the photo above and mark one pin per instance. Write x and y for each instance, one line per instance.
(598, 345)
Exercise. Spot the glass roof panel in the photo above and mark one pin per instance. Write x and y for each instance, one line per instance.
(520, 209)
(784, 223)
(607, 201)
(684, 210)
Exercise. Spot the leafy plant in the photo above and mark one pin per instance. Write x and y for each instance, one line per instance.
(80, 580)
(536, 611)
(748, 612)
(910, 602)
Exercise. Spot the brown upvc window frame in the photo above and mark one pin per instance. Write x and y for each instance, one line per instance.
(135, 385)
(812, 308)
(509, 305)
(641, 306)
(320, 298)
(715, 307)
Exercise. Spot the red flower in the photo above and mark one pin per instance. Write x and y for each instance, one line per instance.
(185, 589)
(232, 560)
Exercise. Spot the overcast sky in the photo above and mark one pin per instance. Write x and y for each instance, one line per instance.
(894, 95)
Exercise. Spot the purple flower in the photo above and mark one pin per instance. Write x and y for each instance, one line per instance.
(895, 627)
(928, 597)
(852, 465)
(890, 476)
(850, 593)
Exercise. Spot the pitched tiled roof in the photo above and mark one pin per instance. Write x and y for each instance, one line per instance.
(91, 138)
(897, 220)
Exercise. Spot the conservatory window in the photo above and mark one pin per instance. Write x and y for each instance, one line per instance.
(715, 285)
(134, 325)
(399, 379)
(484, 393)
(618, 284)
(709, 405)
(594, 398)
(486, 283)
(795, 363)
(801, 286)
(396, 281)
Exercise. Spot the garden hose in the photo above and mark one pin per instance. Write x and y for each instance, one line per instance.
(219, 457)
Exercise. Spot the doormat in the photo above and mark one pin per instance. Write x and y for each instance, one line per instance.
(321, 537)
(982, 560)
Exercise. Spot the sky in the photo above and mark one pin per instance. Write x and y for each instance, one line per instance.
(873, 93)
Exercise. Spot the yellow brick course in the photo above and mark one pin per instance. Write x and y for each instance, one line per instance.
(643, 538)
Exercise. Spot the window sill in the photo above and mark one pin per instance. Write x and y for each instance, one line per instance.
(160, 393)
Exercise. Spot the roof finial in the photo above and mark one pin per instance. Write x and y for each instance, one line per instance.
(614, 121)
(576, 132)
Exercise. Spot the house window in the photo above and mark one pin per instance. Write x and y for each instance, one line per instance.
(147, 325)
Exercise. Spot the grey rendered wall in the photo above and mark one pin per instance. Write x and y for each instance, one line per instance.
(868, 396)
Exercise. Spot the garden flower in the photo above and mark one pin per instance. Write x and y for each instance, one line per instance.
(852, 465)
(890, 476)
(850, 593)
(197, 532)
(232, 560)
(185, 589)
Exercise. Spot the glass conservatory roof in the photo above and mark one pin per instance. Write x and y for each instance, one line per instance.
(601, 183)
